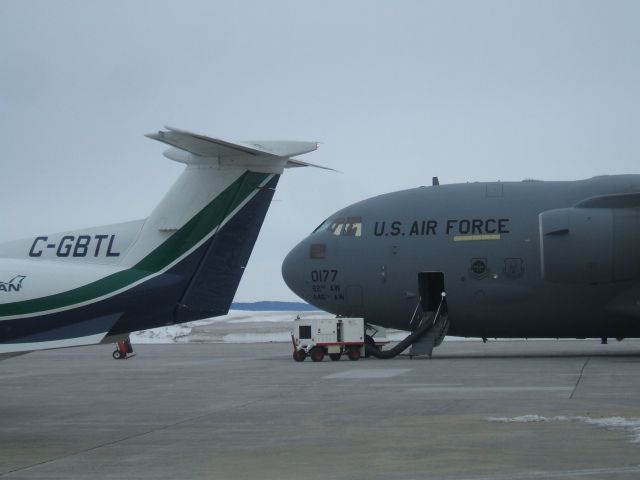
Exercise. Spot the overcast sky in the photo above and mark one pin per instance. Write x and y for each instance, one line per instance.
(396, 91)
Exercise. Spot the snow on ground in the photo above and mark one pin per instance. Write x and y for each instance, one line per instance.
(630, 425)
(241, 326)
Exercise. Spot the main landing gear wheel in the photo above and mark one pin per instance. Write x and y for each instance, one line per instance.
(316, 354)
(123, 350)
(353, 354)
(299, 355)
(334, 356)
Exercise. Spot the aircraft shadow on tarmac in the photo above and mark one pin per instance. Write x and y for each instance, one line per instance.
(488, 356)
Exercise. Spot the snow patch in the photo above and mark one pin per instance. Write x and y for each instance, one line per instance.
(170, 334)
(230, 325)
(242, 326)
(630, 425)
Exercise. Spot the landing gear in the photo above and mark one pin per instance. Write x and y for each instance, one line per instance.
(124, 350)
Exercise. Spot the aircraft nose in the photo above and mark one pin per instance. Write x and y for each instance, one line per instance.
(293, 268)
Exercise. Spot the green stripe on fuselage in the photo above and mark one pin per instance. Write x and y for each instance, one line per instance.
(204, 222)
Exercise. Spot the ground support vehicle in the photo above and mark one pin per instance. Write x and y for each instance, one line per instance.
(317, 337)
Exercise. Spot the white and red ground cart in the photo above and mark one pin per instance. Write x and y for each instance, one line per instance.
(335, 337)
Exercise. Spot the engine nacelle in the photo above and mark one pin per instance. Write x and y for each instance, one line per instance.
(590, 245)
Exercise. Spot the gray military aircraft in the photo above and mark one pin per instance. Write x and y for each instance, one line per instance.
(517, 259)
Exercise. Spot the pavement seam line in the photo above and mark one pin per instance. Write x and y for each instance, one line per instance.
(575, 387)
(130, 437)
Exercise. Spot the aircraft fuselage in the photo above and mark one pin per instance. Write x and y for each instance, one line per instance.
(520, 259)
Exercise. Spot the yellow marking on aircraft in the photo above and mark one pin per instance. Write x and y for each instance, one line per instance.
(467, 238)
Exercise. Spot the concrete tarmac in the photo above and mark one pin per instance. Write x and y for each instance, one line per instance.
(504, 410)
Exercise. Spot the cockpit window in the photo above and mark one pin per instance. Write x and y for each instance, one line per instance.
(353, 227)
(323, 226)
(347, 227)
(343, 227)
(337, 226)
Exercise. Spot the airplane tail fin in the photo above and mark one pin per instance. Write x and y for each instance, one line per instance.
(184, 262)
(207, 224)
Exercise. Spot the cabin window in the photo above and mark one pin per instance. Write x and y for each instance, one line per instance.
(305, 332)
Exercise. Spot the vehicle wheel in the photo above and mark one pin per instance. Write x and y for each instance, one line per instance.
(335, 356)
(354, 353)
(299, 355)
(316, 354)
(116, 354)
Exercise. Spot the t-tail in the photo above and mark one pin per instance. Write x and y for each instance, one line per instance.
(182, 263)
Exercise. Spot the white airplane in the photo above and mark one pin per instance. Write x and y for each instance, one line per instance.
(182, 263)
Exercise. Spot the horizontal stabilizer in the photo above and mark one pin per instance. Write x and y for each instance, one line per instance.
(207, 147)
